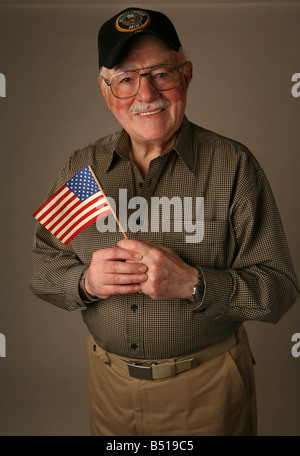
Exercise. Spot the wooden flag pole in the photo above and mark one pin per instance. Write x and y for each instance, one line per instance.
(113, 212)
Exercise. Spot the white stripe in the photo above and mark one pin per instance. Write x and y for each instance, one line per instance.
(63, 190)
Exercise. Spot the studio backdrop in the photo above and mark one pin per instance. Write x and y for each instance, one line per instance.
(246, 86)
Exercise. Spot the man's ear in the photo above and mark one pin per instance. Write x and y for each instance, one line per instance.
(104, 89)
(188, 73)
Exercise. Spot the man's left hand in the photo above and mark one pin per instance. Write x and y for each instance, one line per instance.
(168, 275)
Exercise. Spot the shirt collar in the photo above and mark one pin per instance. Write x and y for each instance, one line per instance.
(183, 146)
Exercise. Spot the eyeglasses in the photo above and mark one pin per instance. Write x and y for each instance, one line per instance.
(127, 83)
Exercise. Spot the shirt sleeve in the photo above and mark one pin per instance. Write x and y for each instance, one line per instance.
(260, 283)
(56, 267)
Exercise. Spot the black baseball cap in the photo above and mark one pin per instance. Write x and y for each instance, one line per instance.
(118, 31)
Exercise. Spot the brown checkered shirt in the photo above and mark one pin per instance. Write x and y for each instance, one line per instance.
(243, 255)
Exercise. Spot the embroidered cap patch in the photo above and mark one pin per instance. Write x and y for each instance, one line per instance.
(132, 20)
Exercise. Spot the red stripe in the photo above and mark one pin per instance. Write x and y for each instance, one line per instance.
(64, 214)
(60, 209)
(89, 222)
(59, 236)
(81, 229)
(80, 207)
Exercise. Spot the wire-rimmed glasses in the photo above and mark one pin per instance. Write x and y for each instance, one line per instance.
(163, 77)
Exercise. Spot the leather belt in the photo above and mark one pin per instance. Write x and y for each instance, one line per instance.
(153, 370)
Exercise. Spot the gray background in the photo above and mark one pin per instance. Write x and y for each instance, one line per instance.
(244, 56)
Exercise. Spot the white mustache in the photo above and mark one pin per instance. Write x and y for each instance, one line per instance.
(148, 106)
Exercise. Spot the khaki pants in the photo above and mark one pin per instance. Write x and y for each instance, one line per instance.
(216, 398)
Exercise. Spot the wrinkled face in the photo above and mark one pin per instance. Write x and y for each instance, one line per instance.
(151, 116)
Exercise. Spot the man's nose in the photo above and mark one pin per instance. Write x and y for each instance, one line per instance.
(146, 90)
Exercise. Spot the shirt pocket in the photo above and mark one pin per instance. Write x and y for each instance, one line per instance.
(206, 248)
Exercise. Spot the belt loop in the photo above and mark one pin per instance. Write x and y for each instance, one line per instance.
(172, 368)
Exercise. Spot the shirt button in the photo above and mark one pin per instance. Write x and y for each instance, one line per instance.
(141, 184)
(134, 307)
(94, 347)
(133, 346)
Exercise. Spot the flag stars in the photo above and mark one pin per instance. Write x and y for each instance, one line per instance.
(83, 184)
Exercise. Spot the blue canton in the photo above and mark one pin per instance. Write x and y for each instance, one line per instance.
(83, 184)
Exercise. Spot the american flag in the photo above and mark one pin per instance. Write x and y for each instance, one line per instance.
(74, 207)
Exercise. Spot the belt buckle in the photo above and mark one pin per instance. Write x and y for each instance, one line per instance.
(140, 370)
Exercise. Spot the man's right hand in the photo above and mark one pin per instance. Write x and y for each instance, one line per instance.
(114, 271)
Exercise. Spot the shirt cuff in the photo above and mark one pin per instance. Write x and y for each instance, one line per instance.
(71, 287)
(218, 288)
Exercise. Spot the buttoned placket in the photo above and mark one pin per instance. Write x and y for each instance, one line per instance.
(144, 188)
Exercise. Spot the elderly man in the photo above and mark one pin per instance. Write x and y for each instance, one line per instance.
(167, 351)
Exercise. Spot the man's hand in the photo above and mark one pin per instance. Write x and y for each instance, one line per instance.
(168, 275)
(114, 271)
